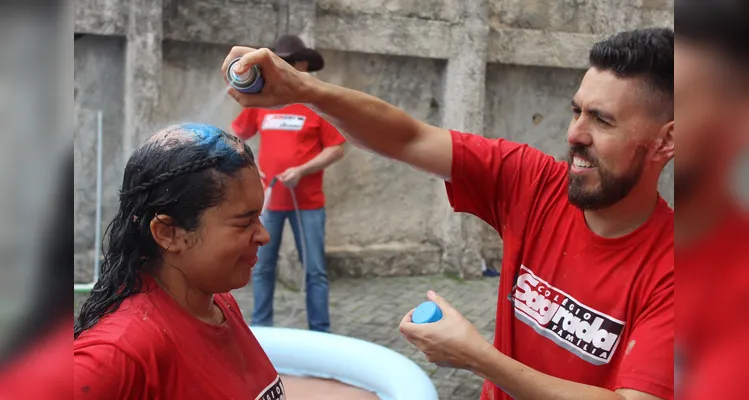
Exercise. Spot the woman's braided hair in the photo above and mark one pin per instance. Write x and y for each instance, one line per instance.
(165, 176)
(179, 172)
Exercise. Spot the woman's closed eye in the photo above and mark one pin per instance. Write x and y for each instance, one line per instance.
(246, 223)
(246, 219)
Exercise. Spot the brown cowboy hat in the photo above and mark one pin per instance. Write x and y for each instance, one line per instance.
(291, 48)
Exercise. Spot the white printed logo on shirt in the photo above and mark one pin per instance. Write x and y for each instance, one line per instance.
(552, 313)
(283, 122)
(274, 391)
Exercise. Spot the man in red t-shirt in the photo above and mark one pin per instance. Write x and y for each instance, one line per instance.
(296, 145)
(585, 306)
(711, 79)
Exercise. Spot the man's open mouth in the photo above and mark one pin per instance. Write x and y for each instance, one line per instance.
(581, 163)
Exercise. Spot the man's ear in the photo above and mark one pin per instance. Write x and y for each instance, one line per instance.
(665, 149)
(166, 233)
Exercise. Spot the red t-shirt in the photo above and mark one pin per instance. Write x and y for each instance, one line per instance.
(712, 312)
(151, 348)
(571, 304)
(289, 137)
(43, 372)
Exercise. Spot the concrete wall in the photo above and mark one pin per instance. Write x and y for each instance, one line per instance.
(191, 87)
(99, 83)
(379, 209)
(498, 68)
(580, 16)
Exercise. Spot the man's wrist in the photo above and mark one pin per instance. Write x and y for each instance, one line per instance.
(480, 353)
(311, 90)
(303, 170)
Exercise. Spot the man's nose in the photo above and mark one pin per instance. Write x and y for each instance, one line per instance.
(579, 133)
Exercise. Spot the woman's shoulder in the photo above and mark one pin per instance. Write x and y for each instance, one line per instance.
(114, 357)
(134, 328)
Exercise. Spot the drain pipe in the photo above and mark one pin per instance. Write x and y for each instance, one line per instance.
(87, 287)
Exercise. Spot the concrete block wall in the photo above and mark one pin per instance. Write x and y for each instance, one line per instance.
(99, 85)
(493, 67)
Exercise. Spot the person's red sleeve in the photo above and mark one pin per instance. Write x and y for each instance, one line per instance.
(245, 125)
(104, 372)
(720, 373)
(329, 135)
(648, 363)
(43, 371)
(491, 178)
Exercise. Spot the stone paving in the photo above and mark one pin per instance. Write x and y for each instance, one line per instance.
(371, 309)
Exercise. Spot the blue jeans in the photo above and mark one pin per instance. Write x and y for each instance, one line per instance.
(264, 273)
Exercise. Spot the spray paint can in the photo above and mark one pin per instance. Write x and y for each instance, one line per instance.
(250, 82)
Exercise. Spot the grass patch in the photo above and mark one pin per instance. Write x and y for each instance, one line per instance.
(453, 276)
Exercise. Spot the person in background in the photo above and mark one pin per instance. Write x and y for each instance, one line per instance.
(711, 78)
(585, 307)
(296, 145)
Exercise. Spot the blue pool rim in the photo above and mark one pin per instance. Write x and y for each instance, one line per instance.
(355, 362)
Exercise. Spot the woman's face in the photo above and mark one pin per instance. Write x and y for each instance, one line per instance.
(220, 254)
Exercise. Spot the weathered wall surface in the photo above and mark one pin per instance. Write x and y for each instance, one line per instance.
(497, 68)
(437, 10)
(580, 16)
(99, 85)
(192, 87)
(378, 205)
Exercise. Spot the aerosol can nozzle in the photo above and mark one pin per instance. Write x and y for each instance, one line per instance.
(248, 82)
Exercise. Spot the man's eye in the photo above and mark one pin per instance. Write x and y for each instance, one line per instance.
(601, 120)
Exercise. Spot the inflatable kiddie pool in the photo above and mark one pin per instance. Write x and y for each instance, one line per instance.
(364, 365)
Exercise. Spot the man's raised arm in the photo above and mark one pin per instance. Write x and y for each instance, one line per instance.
(366, 120)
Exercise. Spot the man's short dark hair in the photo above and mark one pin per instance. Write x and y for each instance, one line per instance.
(642, 53)
(722, 25)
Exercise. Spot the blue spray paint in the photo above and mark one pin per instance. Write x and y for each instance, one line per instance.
(217, 142)
(205, 135)
(250, 82)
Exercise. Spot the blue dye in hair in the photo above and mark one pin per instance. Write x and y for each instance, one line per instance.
(217, 143)
(206, 135)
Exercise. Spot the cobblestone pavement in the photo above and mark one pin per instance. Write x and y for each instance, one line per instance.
(371, 309)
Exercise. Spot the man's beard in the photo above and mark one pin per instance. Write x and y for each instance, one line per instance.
(612, 189)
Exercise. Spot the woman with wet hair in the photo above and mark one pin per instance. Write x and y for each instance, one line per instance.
(160, 322)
